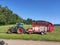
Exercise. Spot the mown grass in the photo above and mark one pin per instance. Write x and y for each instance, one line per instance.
(53, 36)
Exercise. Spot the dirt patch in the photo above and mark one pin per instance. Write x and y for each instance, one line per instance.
(29, 42)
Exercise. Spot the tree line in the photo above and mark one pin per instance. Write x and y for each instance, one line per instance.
(8, 17)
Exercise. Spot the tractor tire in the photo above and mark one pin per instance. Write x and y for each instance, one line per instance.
(9, 31)
(20, 30)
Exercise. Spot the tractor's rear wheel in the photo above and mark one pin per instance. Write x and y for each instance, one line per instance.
(9, 31)
(20, 31)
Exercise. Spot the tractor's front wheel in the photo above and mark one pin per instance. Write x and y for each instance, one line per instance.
(9, 31)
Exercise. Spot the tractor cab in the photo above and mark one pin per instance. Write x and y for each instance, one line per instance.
(19, 25)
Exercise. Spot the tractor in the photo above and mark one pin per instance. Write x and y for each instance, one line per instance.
(40, 27)
(18, 28)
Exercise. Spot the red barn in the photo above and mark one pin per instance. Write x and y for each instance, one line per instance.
(41, 27)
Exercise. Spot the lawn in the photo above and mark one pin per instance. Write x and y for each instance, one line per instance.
(53, 36)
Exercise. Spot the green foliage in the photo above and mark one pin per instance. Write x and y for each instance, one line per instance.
(28, 21)
(8, 17)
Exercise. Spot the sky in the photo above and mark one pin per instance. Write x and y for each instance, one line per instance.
(48, 10)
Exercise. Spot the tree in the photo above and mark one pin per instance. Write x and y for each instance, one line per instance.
(8, 17)
(29, 21)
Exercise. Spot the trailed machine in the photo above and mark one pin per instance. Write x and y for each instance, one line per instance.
(40, 27)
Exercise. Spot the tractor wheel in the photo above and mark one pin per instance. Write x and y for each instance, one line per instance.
(20, 30)
(9, 31)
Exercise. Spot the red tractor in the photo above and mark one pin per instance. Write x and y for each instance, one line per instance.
(40, 27)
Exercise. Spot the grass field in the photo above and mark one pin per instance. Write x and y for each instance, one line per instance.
(53, 36)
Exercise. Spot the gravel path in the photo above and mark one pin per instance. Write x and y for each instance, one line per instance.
(29, 42)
